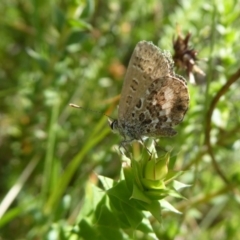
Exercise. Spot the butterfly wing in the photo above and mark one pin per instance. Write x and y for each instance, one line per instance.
(147, 63)
(163, 106)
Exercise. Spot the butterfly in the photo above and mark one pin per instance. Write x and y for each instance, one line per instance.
(153, 99)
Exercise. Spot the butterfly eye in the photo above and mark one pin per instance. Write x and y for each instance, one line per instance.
(113, 125)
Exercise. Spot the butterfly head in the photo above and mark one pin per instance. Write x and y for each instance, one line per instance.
(113, 125)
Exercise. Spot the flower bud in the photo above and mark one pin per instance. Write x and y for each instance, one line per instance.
(154, 172)
(157, 169)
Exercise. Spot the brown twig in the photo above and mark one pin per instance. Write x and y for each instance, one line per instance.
(212, 106)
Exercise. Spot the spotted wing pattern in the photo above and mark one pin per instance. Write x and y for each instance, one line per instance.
(146, 64)
(163, 106)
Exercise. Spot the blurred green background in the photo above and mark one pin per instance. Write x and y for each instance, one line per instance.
(53, 53)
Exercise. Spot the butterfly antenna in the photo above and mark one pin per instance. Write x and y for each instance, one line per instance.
(76, 106)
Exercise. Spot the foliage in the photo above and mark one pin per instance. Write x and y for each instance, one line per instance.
(53, 158)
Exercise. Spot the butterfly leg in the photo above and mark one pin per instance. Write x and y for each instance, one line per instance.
(142, 142)
(123, 145)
